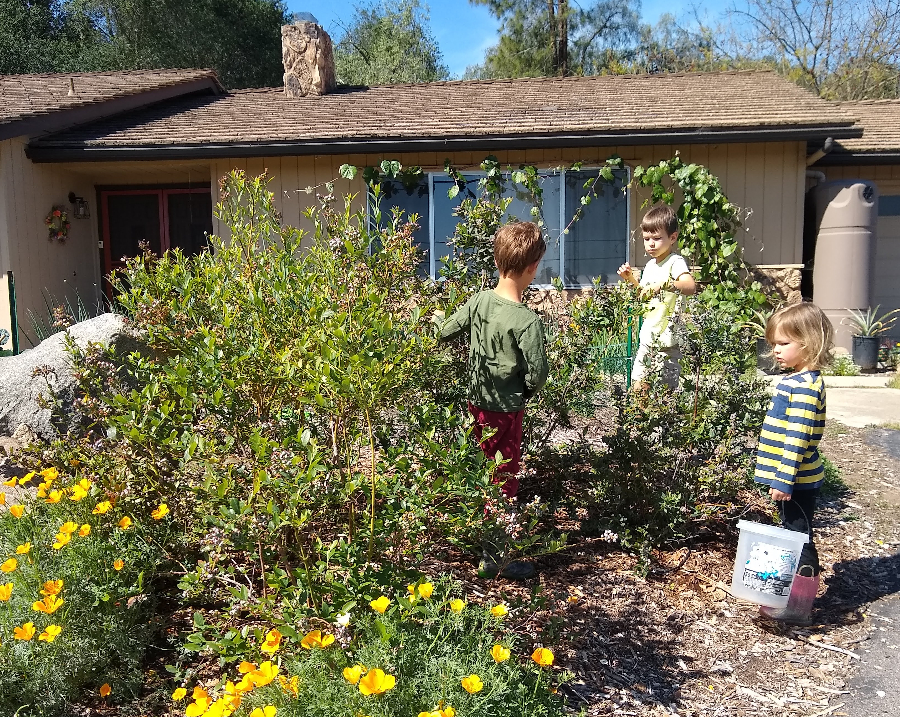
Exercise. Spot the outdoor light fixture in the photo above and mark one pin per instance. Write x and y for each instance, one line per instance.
(81, 209)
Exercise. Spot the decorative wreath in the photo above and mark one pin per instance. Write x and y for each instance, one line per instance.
(57, 222)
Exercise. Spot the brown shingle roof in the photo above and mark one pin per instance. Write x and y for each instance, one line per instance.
(880, 120)
(26, 96)
(619, 107)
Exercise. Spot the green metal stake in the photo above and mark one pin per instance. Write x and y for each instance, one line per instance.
(12, 313)
(628, 355)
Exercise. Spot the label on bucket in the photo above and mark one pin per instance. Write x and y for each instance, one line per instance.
(770, 569)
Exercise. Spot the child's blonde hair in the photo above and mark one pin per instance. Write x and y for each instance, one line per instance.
(517, 246)
(806, 324)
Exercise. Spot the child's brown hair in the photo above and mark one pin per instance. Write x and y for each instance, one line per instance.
(806, 324)
(661, 218)
(517, 246)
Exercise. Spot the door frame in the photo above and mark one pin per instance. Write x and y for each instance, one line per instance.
(162, 193)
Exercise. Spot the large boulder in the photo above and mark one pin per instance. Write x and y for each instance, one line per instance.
(37, 388)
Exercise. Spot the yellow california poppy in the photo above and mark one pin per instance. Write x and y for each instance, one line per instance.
(291, 686)
(52, 587)
(9, 565)
(272, 642)
(23, 481)
(160, 512)
(457, 605)
(380, 605)
(23, 549)
(317, 639)
(267, 711)
(246, 667)
(472, 684)
(105, 689)
(425, 590)
(499, 610)
(50, 474)
(5, 591)
(542, 656)
(499, 653)
(11, 483)
(49, 604)
(55, 496)
(50, 633)
(352, 674)
(376, 682)
(102, 507)
(264, 674)
(84, 530)
(125, 523)
(80, 489)
(62, 539)
(179, 694)
(2, 498)
(26, 632)
(17, 510)
(118, 563)
(68, 527)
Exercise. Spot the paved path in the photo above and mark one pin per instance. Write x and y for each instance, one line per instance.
(861, 407)
(875, 689)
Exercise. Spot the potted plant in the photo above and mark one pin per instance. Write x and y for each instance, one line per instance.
(765, 361)
(867, 329)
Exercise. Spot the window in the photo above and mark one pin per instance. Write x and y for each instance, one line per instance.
(595, 246)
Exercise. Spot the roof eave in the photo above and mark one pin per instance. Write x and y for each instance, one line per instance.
(701, 135)
(844, 158)
(59, 120)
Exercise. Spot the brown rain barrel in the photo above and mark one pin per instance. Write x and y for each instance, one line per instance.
(846, 216)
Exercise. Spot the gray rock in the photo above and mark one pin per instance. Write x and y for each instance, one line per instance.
(37, 388)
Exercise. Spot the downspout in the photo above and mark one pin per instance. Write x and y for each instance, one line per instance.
(809, 229)
(815, 157)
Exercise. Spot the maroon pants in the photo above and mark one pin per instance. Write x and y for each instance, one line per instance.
(507, 439)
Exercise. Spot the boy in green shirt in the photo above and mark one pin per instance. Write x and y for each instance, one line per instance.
(507, 361)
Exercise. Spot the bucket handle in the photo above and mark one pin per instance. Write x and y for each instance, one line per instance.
(805, 517)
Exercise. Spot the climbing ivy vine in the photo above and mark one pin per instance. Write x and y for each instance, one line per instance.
(708, 221)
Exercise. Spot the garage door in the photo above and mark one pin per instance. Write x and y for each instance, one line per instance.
(886, 276)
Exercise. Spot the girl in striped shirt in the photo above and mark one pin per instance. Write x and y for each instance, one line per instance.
(787, 458)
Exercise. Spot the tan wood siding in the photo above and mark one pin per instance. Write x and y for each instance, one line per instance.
(64, 271)
(765, 179)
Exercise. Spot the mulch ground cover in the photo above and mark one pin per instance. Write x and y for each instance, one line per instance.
(677, 642)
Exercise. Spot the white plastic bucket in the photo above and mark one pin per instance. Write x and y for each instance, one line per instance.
(766, 561)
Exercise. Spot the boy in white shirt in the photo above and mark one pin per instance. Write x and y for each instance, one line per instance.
(662, 280)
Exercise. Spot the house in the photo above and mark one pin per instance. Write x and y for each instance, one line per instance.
(145, 152)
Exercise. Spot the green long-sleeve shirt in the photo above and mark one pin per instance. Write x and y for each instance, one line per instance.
(507, 359)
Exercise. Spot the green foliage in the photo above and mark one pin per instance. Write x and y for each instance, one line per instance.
(104, 612)
(539, 39)
(833, 486)
(842, 365)
(241, 40)
(708, 225)
(426, 649)
(388, 45)
(870, 322)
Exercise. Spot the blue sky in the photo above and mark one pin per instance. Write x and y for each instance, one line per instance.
(463, 31)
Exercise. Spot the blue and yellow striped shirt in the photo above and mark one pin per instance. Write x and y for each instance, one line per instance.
(788, 455)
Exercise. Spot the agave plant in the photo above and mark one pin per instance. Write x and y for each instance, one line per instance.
(870, 322)
(758, 322)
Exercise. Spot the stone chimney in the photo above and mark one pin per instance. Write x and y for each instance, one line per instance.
(308, 58)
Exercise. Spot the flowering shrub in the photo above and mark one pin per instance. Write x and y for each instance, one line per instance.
(73, 601)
